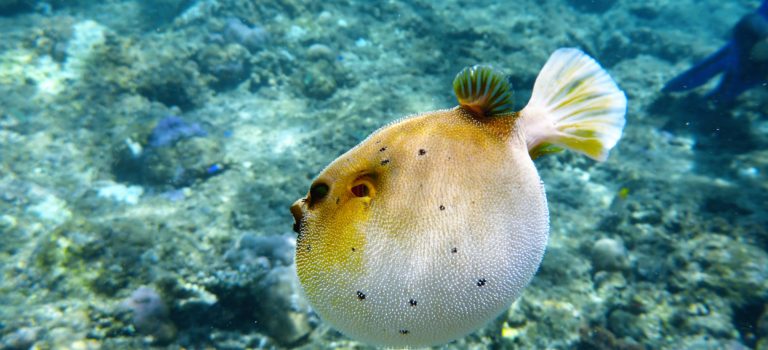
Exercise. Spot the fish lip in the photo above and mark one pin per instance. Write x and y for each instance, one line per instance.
(297, 211)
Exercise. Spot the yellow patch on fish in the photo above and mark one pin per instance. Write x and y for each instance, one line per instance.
(434, 224)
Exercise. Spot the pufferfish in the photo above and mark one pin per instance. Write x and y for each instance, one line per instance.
(434, 224)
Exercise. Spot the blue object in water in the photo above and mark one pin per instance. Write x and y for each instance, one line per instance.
(743, 60)
(214, 169)
(172, 129)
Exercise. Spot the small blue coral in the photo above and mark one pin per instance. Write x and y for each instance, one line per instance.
(172, 129)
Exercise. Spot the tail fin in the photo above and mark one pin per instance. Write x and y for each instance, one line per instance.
(575, 105)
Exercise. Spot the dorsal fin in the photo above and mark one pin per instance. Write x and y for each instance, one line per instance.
(483, 91)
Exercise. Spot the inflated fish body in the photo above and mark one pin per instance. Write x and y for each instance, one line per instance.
(434, 224)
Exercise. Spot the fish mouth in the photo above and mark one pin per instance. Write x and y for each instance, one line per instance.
(298, 214)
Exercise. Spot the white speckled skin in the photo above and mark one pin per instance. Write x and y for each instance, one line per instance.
(458, 231)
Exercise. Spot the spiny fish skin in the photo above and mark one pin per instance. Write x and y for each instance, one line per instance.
(434, 224)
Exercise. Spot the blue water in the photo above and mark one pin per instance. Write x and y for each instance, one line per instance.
(150, 151)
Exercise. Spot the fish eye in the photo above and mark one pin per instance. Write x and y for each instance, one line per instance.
(361, 190)
(317, 192)
(363, 187)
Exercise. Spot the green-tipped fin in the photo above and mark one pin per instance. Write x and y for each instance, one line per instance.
(483, 91)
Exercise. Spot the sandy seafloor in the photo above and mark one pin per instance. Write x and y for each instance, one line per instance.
(661, 247)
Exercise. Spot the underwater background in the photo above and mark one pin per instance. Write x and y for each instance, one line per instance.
(150, 150)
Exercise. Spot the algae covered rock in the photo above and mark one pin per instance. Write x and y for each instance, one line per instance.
(101, 258)
(228, 65)
(150, 314)
(316, 52)
(171, 81)
(264, 290)
(252, 37)
(724, 265)
(160, 69)
(599, 338)
(609, 254)
(260, 203)
(319, 81)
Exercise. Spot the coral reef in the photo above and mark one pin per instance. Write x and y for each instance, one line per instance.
(161, 144)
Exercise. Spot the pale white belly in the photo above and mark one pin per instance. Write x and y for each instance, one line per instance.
(452, 270)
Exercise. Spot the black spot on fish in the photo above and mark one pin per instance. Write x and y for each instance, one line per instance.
(337, 200)
(353, 249)
(454, 250)
(360, 295)
(404, 331)
(384, 162)
(481, 282)
(422, 152)
(442, 207)
(383, 149)
(412, 302)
